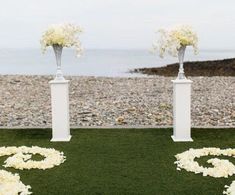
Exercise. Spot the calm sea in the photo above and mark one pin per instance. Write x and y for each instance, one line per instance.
(93, 62)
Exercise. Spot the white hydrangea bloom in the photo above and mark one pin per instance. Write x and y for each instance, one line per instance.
(65, 35)
(170, 40)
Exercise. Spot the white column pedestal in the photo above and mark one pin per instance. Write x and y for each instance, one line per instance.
(182, 110)
(60, 110)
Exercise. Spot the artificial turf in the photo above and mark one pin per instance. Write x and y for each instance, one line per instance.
(120, 161)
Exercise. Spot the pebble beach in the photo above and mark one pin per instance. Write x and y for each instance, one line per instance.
(107, 102)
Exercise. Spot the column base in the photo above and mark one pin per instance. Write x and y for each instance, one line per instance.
(181, 139)
(67, 139)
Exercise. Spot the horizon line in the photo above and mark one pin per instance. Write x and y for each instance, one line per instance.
(121, 49)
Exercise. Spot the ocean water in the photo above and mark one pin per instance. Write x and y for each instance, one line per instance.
(111, 63)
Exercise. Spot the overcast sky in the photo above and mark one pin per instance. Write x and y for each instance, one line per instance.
(118, 24)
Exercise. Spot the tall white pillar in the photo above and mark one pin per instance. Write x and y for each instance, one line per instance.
(182, 110)
(60, 110)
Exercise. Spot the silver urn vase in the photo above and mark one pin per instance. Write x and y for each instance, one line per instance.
(181, 53)
(58, 53)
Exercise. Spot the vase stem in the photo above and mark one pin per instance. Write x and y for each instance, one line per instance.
(181, 53)
(58, 53)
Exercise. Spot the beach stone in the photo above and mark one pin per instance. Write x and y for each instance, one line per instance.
(120, 120)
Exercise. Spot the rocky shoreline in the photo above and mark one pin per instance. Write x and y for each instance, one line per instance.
(100, 101)
(211, 68)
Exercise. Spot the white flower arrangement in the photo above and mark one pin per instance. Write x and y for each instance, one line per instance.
(10, 184)
(171, 40)
(65, 35)
(221, 168)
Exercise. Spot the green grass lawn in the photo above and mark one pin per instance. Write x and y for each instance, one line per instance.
(120, 162)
